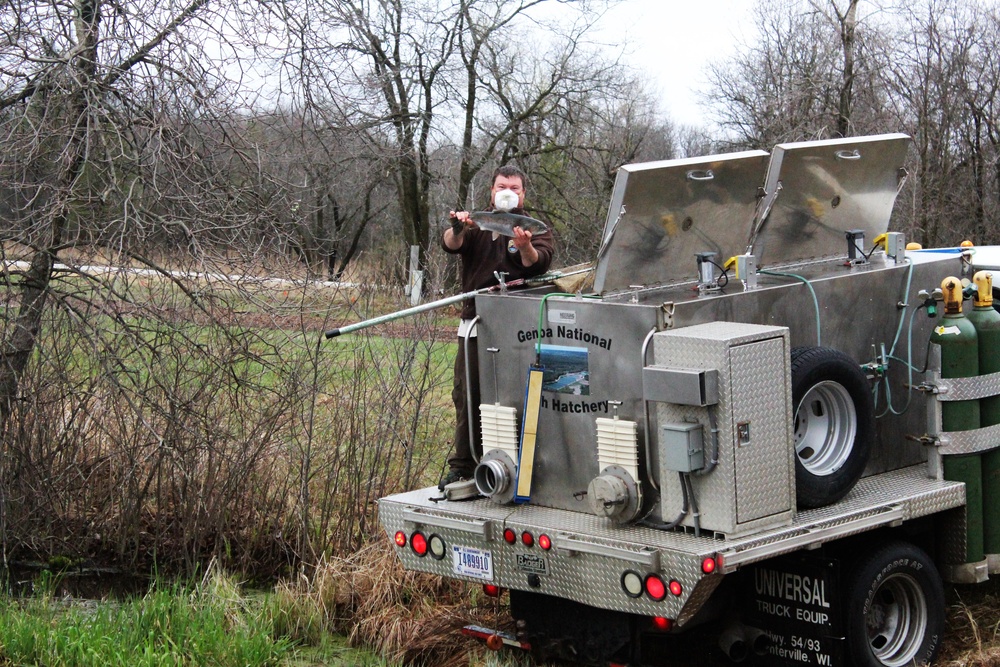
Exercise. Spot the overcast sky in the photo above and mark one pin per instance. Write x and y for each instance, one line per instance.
(674, 40)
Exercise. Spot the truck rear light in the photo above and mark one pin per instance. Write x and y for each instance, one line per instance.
(527, 539)
(632, 583)
(662, 623)
(492, 590)
(419, 544)
(675, 587)
(544, 542)
(400, 538)
(655, 588)
(509, 536)
(708, 565)
(436, 546)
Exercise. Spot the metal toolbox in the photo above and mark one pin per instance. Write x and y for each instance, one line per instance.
(751, 485)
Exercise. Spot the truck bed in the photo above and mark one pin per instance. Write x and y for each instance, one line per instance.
(589, 555)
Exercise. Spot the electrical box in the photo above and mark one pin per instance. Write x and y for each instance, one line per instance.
(747, 482)
(683, 447)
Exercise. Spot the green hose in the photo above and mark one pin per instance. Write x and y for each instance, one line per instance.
(811, 291)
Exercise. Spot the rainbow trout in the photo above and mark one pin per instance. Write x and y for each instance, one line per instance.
(503, 223)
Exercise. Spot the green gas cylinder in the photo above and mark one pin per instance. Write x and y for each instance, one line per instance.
(987, 323)
(960, 358)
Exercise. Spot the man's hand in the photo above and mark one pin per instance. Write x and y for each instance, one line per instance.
(522, 241)
(453, 237)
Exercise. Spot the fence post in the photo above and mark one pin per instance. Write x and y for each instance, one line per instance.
(415, 287)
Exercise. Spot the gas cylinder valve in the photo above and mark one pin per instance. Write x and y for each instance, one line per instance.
(879, 364)
(930, 300)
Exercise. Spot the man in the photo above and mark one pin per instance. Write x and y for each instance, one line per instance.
(484, 253)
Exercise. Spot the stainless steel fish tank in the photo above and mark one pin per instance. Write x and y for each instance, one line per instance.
(807, 214)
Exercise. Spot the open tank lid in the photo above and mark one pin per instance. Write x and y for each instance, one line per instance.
(816, 191)
(664, 212)
(794, 204)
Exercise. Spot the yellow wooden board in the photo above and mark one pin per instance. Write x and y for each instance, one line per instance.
(529, 433)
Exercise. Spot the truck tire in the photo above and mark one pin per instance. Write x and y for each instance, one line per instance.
(834, 424)
(895, 608)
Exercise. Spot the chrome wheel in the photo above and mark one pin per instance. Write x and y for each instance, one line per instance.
(897, 621)
(825, 427)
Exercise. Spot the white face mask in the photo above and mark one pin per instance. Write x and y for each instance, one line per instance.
(505, 200)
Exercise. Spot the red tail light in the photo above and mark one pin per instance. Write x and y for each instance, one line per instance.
(675, 587)
(509, 536)
(662, 624)
(419, 544)
(527, 539)
(544, 542)
(708, 565)
(491, 590)
(400, 538)
(655, 588)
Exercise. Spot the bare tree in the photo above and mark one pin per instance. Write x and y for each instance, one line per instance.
(429, 84)
(76, 68)
(799, 78)
(925, 77)
(333, 184)
(840, 67)
(378, 74)
(845, 21)
(981, 82)
(134, 412)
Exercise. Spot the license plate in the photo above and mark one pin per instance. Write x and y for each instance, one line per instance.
(472, 562)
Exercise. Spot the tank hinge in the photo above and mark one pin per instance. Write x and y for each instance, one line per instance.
(666, 315)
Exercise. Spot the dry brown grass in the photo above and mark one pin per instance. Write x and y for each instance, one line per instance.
(409, 618)
(972, 637)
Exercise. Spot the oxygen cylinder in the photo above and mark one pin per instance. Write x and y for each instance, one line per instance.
(986, 320)
(960, 358)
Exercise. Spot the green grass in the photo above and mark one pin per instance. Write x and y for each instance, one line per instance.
(260, 351)
(205, 624)
(333, 651)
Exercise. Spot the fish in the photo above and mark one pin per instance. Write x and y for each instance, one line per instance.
(503, 223)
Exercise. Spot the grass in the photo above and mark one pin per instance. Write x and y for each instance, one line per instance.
(156, 432)
(209, 623)
(405, 617)
(972, 636)
(363, 611)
